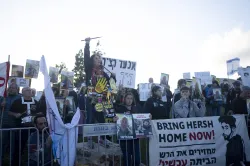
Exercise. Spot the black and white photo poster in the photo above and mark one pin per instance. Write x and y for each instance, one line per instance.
(245, 76)
(125, 127)
(215, 141)
(142, 125)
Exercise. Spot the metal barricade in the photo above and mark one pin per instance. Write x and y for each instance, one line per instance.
(17, 147)
(98, 145)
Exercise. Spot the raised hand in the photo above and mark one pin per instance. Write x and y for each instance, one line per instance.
(101, 85)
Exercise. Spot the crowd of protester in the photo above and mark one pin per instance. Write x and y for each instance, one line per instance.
(181, 104)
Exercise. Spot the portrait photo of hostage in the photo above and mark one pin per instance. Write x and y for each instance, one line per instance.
(164, 79)
(53, 73)
(235, 148)
(31, 69)
(67, 80)
(125, 127)
(217, 94)
(17, 71)
(142, 127)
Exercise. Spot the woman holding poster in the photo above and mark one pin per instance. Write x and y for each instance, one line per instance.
(128, 147)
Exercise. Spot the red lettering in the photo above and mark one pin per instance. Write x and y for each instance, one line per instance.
(2, 81)
(201, 135)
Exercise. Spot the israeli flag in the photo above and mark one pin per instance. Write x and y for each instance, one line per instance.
(232, 66)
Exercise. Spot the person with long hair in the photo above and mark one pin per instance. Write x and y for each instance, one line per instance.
(129, 147)
(94, 71)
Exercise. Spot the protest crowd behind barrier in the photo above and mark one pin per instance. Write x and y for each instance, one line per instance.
(105, 121)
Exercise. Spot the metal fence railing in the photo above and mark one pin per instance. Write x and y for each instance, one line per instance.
(96, 145)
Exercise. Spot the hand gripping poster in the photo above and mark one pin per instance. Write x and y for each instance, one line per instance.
(142, 125)
(125, 127)
(212, 141)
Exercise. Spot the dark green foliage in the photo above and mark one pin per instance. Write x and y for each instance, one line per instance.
(78, 70)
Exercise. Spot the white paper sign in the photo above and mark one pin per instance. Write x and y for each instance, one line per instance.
(125, 71)
(214, 141)
(145, 91)
(22, 82)
(186, 75)
(204, 76)
(245, 76)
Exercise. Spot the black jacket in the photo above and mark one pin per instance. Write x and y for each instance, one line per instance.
(156, 108)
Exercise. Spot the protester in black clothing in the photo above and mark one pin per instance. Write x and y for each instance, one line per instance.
(155, 106)
(239, 103)
(235, 154)
(20, 109)
(129, 147)
(233, 93)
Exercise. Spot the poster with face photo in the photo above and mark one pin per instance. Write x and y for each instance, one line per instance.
(125, 127)
(60, 103)
(245, 76)
(70, 102)
(67, 80)
(217, 94)
(17, 71)
(142, 125)
(248, 106)
(164, 79)
(53, 73)
(31, 69)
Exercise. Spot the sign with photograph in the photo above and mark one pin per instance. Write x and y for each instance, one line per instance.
(215, 141)
(125, 127)
(17, 71)
(31, 69)
(142, 125)
(67, 80)
(164, 79)
(53, 73)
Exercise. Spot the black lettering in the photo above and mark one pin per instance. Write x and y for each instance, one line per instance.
(162, 138)
(195, 124)
(129, 66)
(165, 126)
(124, 64)
(159, 126)
(133, 65)
(104, 61)
(189, 125)
(199, 124)
(121, 64)
(210, 124)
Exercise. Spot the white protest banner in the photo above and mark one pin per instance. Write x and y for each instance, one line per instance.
(204, 76)
(99, 129)
(125, 71)
(22, 82)
(145, 91)
(211, 141)
(186, 75)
